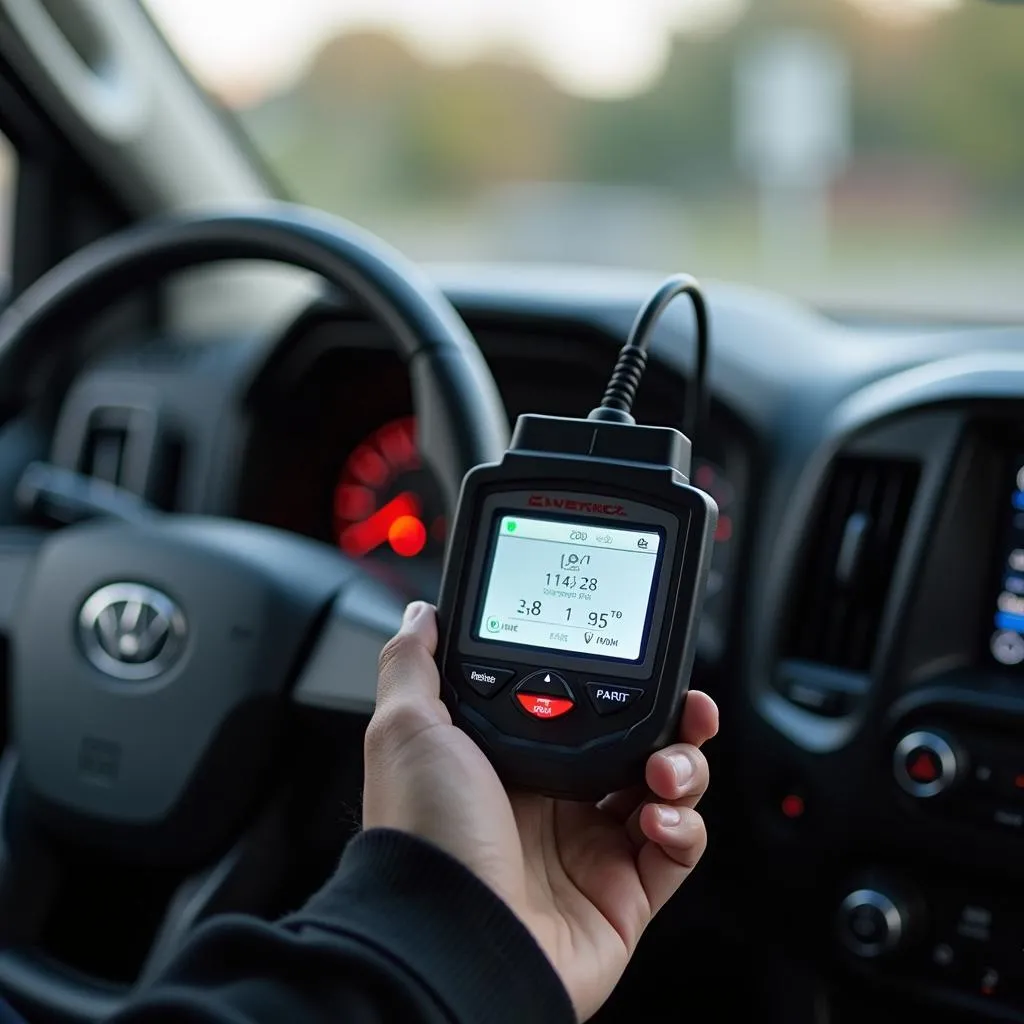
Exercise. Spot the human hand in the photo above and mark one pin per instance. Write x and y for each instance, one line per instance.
(585, 879)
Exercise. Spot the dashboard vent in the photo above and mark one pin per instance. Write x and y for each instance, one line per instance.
(848, 562)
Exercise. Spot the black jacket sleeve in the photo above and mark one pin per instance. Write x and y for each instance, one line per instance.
(403, 933)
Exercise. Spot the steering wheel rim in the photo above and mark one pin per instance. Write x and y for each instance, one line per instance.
(460, 414)
(462, 422)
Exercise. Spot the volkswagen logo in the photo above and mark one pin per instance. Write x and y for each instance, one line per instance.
(131, 631)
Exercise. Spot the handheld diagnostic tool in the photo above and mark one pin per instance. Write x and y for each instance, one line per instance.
(573, 583)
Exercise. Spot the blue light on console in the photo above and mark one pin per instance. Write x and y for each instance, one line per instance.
(1005, 620)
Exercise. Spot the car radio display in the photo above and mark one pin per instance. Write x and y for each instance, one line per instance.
(1006, 642)
(570, 586)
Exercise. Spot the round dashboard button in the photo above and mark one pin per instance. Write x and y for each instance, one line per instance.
(924, 764)
(1007, 647)
(870, 923)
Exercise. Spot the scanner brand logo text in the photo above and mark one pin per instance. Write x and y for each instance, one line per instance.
(570, 505)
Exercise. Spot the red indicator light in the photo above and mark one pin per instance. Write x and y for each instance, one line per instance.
(923, 768)
(793, 806)
(544, 707)
(407, 536)
(361, 538)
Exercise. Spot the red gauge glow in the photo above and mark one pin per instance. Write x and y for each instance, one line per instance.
(711, 478)
(407, 536)
(386, 500)
(361, 538)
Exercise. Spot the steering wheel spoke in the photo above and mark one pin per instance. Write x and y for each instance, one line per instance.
(18, 549)
(341, 672)
(29, 872)
(238, 883)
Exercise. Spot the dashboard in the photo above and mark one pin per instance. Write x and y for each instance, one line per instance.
(359, 482)
(864, 632)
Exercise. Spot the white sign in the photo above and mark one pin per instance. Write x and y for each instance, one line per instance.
(792, 136)
(792, 119)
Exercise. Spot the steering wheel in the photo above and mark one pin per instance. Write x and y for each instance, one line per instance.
(152, 656)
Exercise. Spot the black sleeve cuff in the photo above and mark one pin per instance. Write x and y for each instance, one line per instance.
(443, 926)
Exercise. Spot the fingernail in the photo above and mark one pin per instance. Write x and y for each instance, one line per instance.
(413, 612)
(668, 816)
(683, 768)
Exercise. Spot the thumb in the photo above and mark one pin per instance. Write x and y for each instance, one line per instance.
(406, 671)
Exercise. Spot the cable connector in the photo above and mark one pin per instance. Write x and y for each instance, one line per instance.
(617, 404)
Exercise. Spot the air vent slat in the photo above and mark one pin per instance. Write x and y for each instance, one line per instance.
(815, 637)
(847, 566)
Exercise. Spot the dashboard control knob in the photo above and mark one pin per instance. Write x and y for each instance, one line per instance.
(871, 923)
(925, 764)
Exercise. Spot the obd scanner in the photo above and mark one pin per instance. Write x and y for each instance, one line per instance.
(573, 583)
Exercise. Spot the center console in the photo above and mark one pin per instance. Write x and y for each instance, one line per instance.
(892, 717)
(962, 943)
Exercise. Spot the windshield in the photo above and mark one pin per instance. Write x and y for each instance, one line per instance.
(863, 154)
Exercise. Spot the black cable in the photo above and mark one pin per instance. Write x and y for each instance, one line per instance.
(617, 403)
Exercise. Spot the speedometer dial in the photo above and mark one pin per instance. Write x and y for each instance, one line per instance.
(388, 505)
(386, 501)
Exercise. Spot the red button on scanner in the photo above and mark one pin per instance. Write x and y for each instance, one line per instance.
(544, 707)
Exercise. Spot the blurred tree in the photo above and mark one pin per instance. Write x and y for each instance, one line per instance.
(676, 135)
(488, 122)
(371, 125)
(970, 100)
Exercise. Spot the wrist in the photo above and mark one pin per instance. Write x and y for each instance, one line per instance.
(444, 925)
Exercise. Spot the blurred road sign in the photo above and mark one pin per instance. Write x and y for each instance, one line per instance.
(792, 132)
(792, 117)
